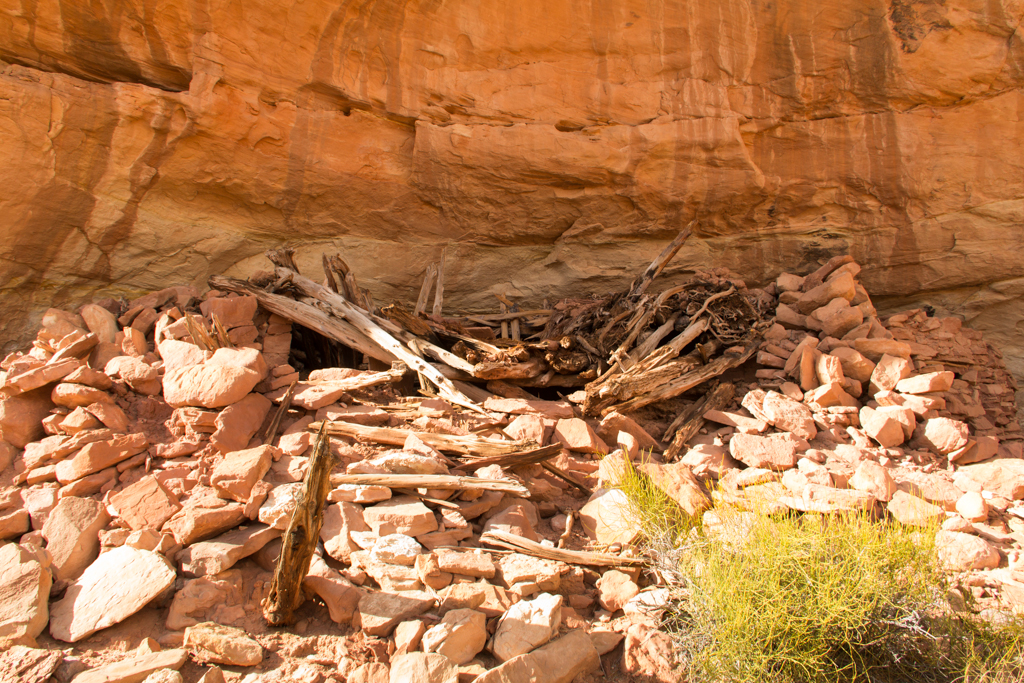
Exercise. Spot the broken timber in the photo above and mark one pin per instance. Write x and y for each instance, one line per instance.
(689, 422)
(441, 482)
(300, 538)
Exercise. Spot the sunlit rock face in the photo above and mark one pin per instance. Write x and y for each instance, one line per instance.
(554, 147)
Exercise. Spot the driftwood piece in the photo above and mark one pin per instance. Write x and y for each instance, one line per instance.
(307, 316)
(282, 410)
(465, 445)
(442, 482)
(359, 319)
(689, 422)
(503, 539)
(300, 538)
(658, 264)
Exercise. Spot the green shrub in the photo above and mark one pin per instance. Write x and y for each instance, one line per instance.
(809, 598)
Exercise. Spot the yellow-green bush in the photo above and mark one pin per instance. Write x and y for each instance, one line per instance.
(809, 598)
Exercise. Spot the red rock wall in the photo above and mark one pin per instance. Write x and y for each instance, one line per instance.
(555, 146)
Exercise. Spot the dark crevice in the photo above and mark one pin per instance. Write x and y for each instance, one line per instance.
(181, 78)
(313, 351)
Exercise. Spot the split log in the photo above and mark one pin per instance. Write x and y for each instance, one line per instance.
(515, 459)
(300, 538)
(503, 539)
(441, 482)
(363, 381)
(689, 422)
(465, 445)
(370, 329)
(691, 379)
(658, 264)
(497, 370)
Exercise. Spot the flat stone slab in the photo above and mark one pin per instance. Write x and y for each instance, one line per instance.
(117, 585)
(133, 669)
(221, 553)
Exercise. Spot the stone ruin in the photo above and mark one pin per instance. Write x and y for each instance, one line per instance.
(276, 480)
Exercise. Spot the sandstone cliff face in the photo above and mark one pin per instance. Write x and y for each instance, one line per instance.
(555, 146)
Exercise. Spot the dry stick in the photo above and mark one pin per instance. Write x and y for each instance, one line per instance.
(275, 424)
(307, 316)
(504, 324)
(503, 539)
(691, 420)
(428, 281)
(426, 499)
(359, 319)
(222, 335)
(658, 264)
(446, 482)
(466, 445)
(439, 292)
(570, 516)
(515, 459)
(300, 538)
(567, 477)
(197, 330)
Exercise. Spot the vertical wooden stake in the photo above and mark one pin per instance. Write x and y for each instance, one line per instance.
(439, 292)
(428, 282)
(300, 538)
(515, 322)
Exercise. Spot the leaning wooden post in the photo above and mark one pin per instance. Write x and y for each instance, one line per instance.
(300, 539)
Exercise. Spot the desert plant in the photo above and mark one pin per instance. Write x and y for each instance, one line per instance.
(807, 598)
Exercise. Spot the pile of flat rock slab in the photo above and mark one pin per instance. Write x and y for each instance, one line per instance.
(154, 451)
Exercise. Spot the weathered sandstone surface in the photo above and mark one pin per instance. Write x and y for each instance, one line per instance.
(549, 144)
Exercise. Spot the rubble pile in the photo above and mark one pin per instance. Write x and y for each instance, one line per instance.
(161, 470)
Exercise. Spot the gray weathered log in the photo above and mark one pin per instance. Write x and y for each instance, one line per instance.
(441, 482)
(503, 539)
(448, 443)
